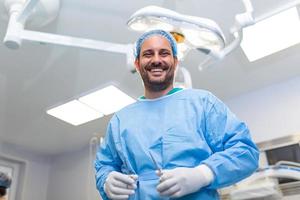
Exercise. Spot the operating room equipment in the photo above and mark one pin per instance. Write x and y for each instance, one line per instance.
(199, 33)
(155, 162)
(189, 31)
(39, 13)
(278, 176)
(182, 77)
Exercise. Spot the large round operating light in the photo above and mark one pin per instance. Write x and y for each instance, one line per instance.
(199, 33)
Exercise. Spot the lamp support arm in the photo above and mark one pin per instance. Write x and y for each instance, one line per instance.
(27, 10)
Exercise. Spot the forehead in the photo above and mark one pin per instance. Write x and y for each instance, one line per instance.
(156, 42)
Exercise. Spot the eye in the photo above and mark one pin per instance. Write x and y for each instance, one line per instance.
(147, 54)
(165, 53)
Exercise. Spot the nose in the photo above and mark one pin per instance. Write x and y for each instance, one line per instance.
(156, 59)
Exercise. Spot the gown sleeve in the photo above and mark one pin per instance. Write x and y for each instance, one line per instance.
(107, 159)
(235, 156)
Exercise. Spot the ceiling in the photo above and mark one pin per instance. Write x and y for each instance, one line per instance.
(37, 77)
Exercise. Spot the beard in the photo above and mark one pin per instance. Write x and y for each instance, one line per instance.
(156, 85)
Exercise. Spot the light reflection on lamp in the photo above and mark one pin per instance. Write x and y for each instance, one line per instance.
(142, 24)
(202, 39)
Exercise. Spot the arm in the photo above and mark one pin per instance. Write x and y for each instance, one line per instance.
(110, 182)
(235, 155)
(107, 159)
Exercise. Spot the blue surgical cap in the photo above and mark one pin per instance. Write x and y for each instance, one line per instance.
(148, 34)
(5, 181)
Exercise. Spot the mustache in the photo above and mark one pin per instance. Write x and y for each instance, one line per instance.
(158, 65)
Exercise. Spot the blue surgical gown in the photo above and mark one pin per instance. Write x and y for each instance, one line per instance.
(184, 129)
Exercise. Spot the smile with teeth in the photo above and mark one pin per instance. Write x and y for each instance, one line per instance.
(156, 70)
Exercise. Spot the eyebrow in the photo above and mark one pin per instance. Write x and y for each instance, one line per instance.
(146, 50)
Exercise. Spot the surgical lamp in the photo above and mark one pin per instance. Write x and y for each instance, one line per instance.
(190, 32)
(38, 13)
(198, 33)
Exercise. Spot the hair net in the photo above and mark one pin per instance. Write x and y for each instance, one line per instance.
(5, 180)
(148, 34)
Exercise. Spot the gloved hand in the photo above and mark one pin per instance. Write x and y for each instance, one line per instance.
(119, 186)
(182, 181)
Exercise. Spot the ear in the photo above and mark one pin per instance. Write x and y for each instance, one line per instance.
(176, 62)
(137, 65)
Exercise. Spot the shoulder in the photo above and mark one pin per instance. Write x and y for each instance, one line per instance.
(198, 94)
(134, 107)
(207, 99)
(129, 107)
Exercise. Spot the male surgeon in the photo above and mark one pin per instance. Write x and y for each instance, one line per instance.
(173, 143)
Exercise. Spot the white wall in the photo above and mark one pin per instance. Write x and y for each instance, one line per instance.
(36, 171)
(72, 177)
(66, 176)
(270, 112)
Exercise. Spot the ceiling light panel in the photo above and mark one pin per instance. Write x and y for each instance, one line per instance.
(107, 100)
(271, 35)
(75, 113)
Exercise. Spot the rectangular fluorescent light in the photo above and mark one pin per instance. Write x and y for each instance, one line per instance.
(271, 35)
(74, 112)
(107, 100)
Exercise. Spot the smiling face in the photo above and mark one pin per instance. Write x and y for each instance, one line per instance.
(156, 64)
